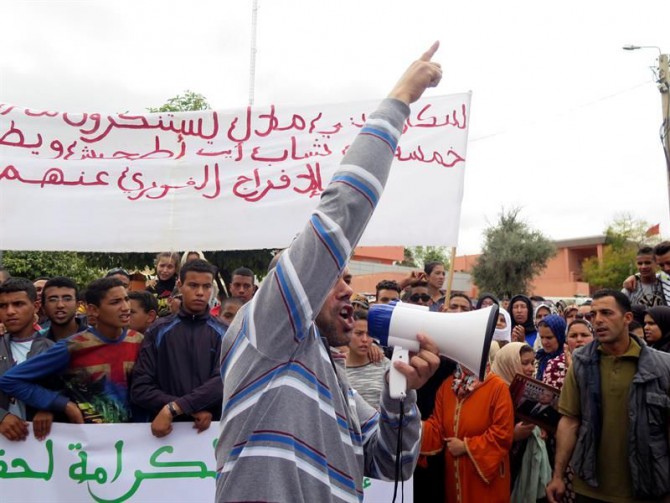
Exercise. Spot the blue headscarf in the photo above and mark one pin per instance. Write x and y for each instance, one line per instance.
(557, 326)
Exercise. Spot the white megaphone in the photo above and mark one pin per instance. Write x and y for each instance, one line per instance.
(462, 337)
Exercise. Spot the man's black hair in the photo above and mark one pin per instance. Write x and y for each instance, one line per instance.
(621, 299)
(12, 285)
(387, 284)
(645, 250)
(428, 268)
(461, 294)
(197, 265)
(244, 271)
(147, 300)
(59, 282)
(96, 290)
(361, 314)
(662, 248)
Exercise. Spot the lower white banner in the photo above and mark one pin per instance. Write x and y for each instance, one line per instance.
(123, 462)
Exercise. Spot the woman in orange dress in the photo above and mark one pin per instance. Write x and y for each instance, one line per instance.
(473, 421)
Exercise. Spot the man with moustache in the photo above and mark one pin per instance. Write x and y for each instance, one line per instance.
(288, 410)
(59, 301)
(614, 405)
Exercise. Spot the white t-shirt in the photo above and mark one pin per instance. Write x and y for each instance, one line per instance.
(20, 350)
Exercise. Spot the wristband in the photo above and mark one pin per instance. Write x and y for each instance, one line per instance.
(172, 410)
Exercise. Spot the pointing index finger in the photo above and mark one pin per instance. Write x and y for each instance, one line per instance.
(426, 56)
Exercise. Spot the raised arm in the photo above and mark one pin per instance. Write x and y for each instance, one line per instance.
(292, 295)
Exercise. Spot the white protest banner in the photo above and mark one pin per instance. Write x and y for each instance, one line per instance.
(113, 463)
(217, 180)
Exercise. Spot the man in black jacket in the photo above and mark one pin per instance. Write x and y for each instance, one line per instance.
(176, 376)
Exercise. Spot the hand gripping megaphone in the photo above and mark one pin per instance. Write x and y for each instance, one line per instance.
(462, 337)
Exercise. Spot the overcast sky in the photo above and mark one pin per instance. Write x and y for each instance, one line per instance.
(564, 123)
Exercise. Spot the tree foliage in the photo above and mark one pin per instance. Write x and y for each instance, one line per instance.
(513, 254)
(129, 261)
(227, 261)
(623, 237)
(33, 264)
(188, 102)
(418, 256)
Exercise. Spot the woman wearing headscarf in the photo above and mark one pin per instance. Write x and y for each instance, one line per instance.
(486, 300)
(657, 328)
(550, 358)
(541, 311)
(523, 327)
(515, 358)
(579, 333)
(473, 422)
(529, 460)
(502, 334)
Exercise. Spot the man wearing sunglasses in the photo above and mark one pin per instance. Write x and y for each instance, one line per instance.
(584, 316)
(419, 295)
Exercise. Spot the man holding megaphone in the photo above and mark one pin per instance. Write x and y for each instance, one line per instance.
(292, 429)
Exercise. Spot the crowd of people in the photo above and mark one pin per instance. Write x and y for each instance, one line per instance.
(160, 349)
(305, 401)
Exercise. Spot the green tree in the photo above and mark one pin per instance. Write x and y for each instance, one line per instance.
(33, 264)
(188, 102)
(130, 261)
(418, 256)
(227, 261)
(512, 256)
(623, 237)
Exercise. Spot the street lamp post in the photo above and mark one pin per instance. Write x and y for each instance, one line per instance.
(663, 83)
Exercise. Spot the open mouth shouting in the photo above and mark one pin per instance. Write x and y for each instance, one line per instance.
(347, 317)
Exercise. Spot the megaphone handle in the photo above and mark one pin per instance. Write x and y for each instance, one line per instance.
(398, 381)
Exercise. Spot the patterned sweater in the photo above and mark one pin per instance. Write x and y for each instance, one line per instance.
(292, 429)
(95, 374)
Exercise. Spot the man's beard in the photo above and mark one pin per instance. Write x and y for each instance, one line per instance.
(333, 335)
